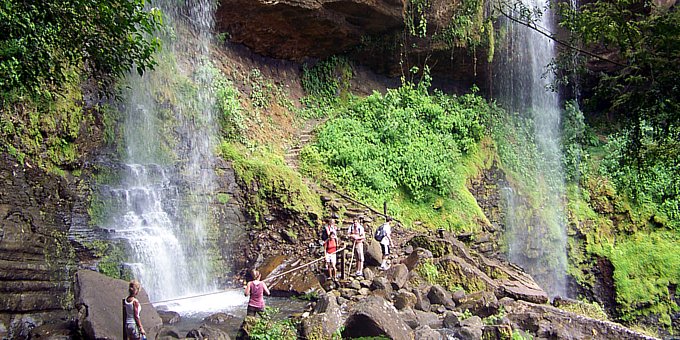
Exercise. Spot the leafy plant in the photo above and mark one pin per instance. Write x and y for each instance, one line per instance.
(406, 147)
(43, 40)
(266, 328)
(270, 180)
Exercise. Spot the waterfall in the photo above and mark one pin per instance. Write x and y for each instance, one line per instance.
(163, 206)
(535, 232)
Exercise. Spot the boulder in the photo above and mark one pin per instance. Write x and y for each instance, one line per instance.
(373, 253)
(326, 319)
(100, 315)
(404, 299)
(219, 318)
(374, 316)
(416, 257)
(439, 295)
(207, 332)
(429, 319)
(471, 328)
(169, 317)
(422, 302)
(381, 283)
(409, 317)
(296, 282)
(426, 333)
(482, 304)
(398, 275)
(451, 320)
(554, 323)
(168, 333)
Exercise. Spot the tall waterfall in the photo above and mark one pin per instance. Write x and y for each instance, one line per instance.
(536, 236)
(164, 203)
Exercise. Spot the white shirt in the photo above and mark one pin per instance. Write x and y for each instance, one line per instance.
(387, 240)
(358, 230)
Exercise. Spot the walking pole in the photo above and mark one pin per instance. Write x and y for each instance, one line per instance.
(351, 259)
(125, 337)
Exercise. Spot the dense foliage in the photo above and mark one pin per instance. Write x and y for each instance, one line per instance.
(405, 145)
(41, 41)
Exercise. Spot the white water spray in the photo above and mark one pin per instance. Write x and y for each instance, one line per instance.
(536, 238)
(165, 201)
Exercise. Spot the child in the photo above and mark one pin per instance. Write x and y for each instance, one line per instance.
(331, 246)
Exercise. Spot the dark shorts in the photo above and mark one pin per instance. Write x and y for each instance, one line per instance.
(385, 249)
(252, 311)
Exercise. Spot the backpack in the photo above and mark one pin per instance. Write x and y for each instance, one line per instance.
(324, 233)
(379, 233)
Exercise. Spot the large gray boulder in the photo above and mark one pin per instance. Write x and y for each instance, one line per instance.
(287, 282)
(373, 253)
(440, 296)
(374, 316)
(554, 323)
(398, 275)
(99, 301)
(207, 332)
(325, 321)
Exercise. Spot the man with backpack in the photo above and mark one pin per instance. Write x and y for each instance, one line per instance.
(384, 235)
(357, 234)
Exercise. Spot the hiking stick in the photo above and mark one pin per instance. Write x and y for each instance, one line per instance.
(351, 259)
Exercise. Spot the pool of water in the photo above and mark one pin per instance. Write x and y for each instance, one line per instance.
(231, 302)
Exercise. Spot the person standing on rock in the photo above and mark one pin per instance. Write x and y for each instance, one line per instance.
(133, 322)
(256, 290)
(386, 242)
(328, 228)
(358, 235)
(331, 246)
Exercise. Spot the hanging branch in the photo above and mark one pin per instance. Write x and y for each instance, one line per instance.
(549, 35)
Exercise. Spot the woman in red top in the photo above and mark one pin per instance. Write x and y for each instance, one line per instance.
(256, 290)
(331, 246)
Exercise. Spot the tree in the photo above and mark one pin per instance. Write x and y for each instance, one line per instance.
(644, 39)
(41, 40)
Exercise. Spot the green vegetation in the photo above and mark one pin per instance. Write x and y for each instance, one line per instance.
(325, 84)
(43, 41)
(406, 147)
(270, 183)
(110, 259)
(41, 129)
(266, 328)
(590, 309)
(645, 265)
(428, 271)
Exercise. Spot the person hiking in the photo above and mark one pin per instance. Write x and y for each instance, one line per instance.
(133, 322)
(256, 290)
(331, 246)
(328, 227)
(386, 242)
(358, 235)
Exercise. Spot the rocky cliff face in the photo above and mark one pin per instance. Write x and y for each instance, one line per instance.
(36, 258)
(301, 29)
(372, 32)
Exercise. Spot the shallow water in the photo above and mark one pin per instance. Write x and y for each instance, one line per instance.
(231, 302)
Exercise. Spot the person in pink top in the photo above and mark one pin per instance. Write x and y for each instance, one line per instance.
(256, 290)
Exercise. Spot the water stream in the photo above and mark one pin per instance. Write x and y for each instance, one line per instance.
(163, 207)
(536, 232)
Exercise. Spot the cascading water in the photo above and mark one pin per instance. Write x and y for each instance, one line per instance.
(163, 208)
(536, 232)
